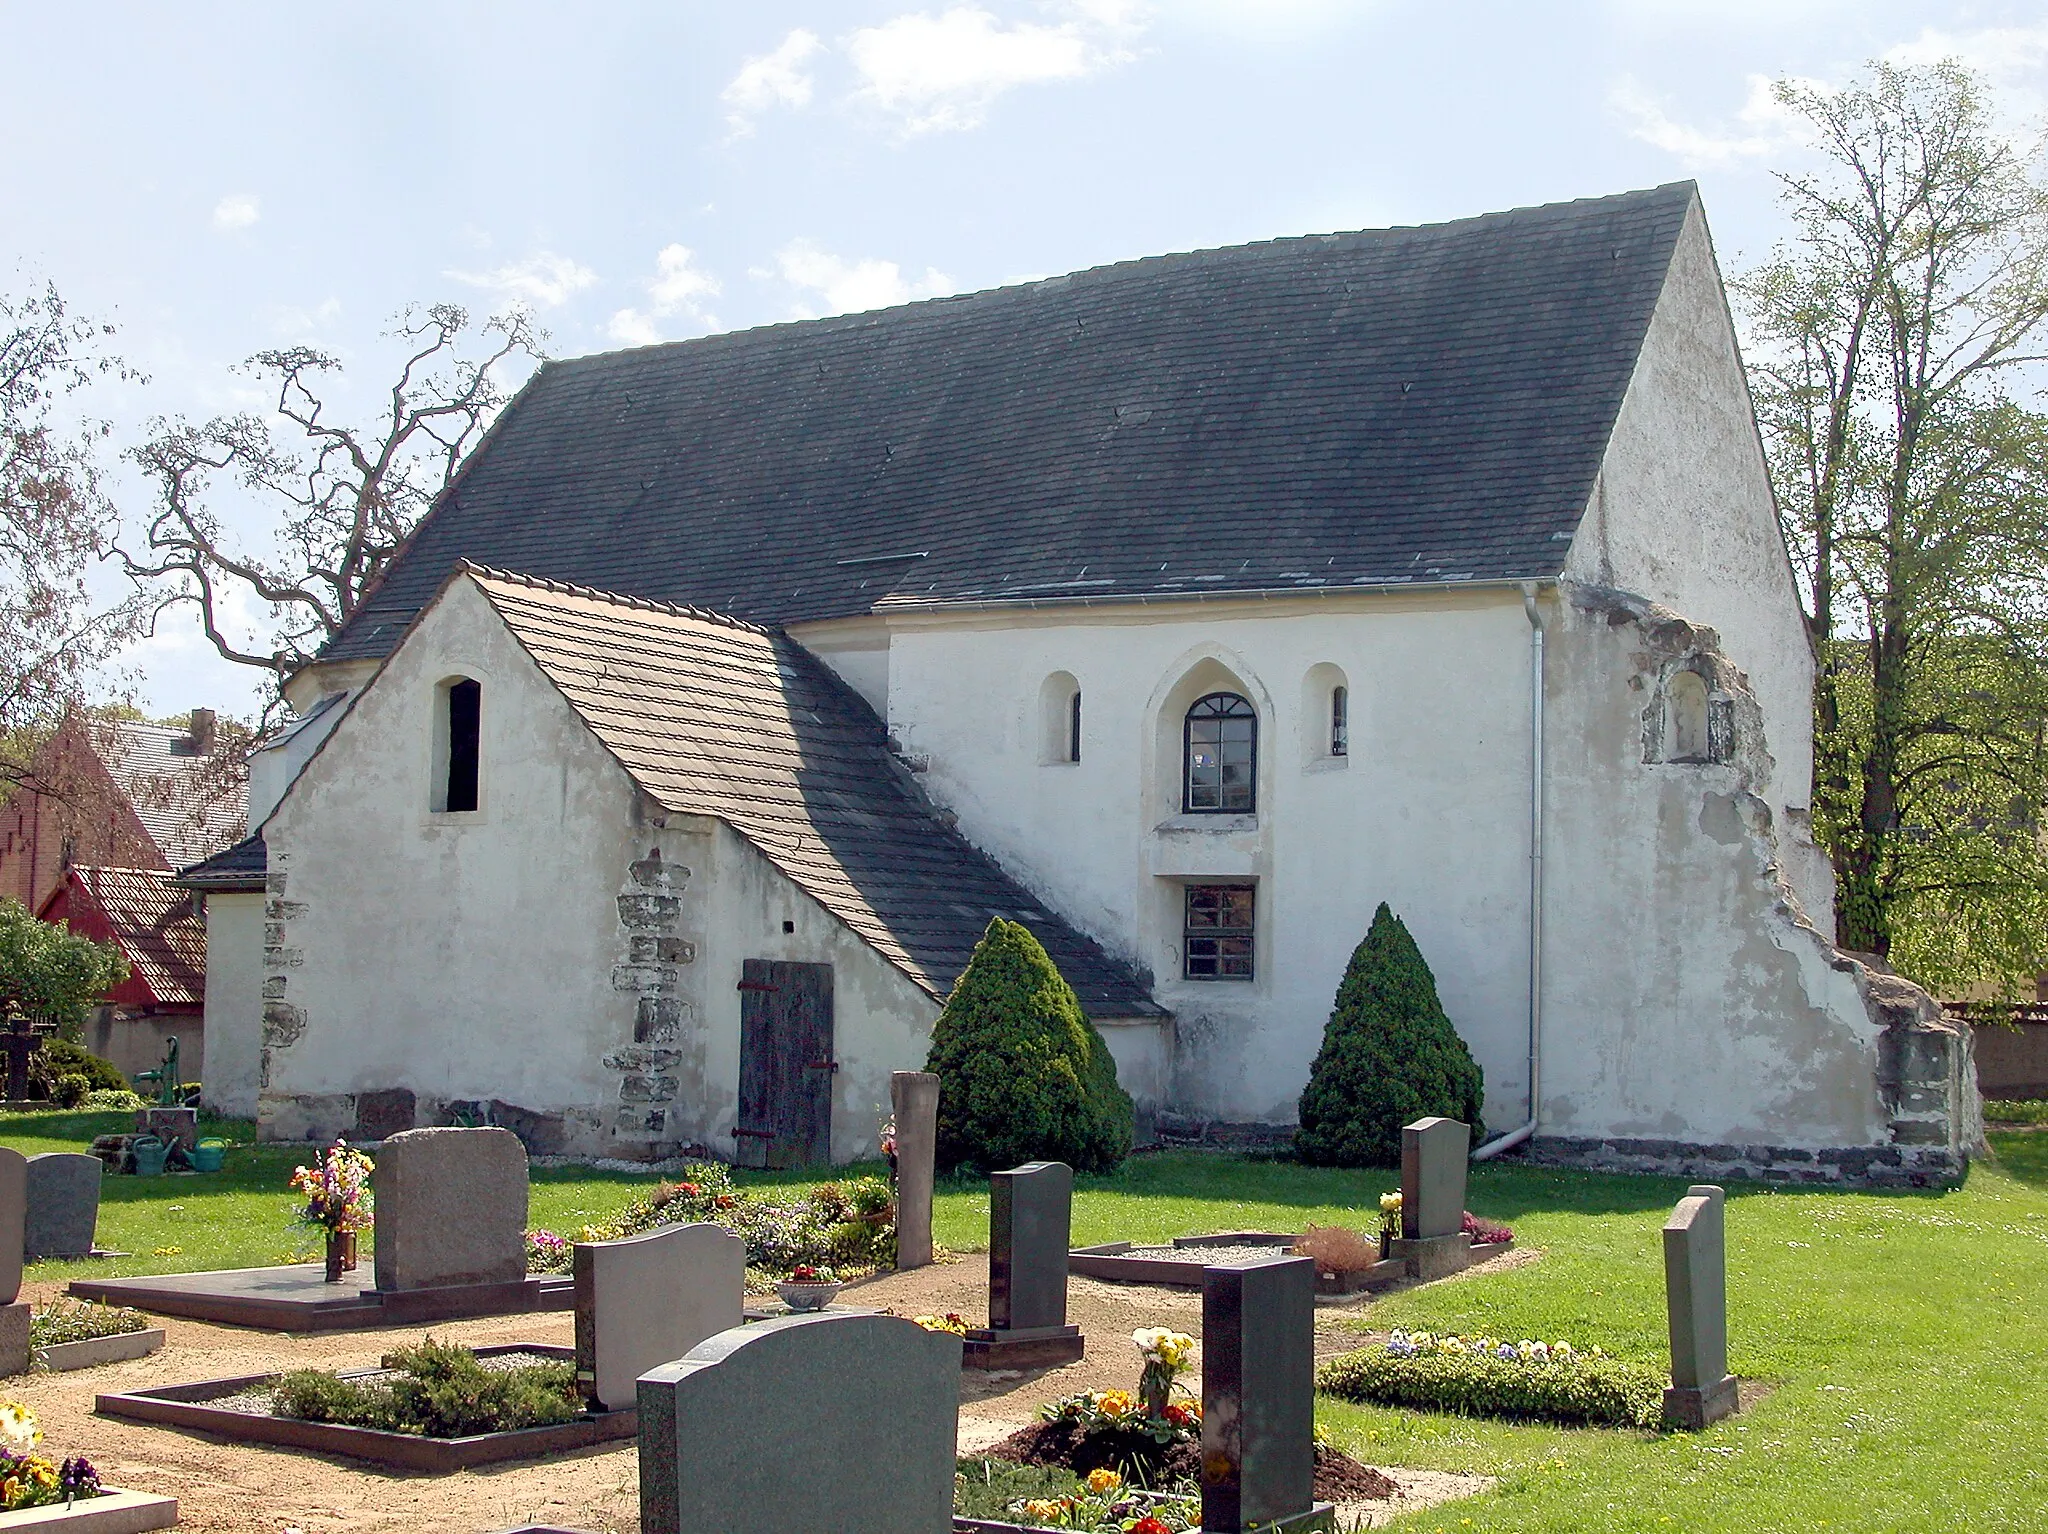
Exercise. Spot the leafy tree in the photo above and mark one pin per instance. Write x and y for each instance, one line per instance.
(49, 971)
(1889, 341)
(344, 497)
(55, 523)
(1023, 1075)
(1390, 1056)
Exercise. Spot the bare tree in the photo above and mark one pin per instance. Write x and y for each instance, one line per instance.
(55, 522)
(345, 496)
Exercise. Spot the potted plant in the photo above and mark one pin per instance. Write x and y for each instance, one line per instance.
(808, 1288)
(337, 1202)
(1390, 1222)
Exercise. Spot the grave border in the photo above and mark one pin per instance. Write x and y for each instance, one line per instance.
(184, 1406)
(113, 1511)
(338, 1307)
(90, 1352)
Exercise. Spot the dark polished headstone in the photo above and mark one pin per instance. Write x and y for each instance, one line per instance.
(1696, 1306)
(1258, 1395)
(1031, 1219)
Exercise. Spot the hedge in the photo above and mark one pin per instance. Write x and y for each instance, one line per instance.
(1597, 1392)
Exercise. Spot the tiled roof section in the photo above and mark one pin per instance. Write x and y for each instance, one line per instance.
(191, 804)
(157, 926)
(244, 866)
(1399, 405)
(718, 718)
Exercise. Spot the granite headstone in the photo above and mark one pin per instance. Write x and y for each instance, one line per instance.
(1030, 1225)
(1434, 1152)
(646, 1300)
(1258, 1396)
(1696, 1306)
(451, 1208)
(63, 1204)
(914, 1098)
(14, 1311)
(838, 1421)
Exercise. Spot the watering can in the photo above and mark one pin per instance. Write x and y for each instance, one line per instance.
(207, 1154)
(150, 1153)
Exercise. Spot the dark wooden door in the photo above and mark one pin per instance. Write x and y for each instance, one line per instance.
(786, 1064)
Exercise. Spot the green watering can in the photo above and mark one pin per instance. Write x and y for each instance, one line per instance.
(207, 1154)
(149, 1153)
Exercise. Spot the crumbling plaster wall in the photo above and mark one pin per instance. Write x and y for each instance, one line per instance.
(1689, 1001)
(1682, 510)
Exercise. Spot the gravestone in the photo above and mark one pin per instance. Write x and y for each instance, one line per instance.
(839, 1421)
(1434, 1155)
(22, 1037)
(914, 1097)
(648, 1299)
(450, 1208)
(63, 1205)
(1696, 1304)
(14, 1312)
(1258, 1397)
(1030, 1228)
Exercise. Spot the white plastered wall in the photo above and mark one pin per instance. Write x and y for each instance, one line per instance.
(1682, 513)
(472, 957)
(234, 1001)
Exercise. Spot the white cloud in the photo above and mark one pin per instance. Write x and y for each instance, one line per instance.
(942, 73)
(303, 325)
(2013, 59)
(237, 210)
(848, 287)
(679, 288)
(1762, 126)
(543, 280)
(780, 78)
(1266, 21)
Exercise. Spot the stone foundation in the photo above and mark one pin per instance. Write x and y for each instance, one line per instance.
(1866, 1166)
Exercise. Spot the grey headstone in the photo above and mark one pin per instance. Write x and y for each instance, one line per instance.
(450, 1208)
(1031, 1218)
(63, 1204)
(842, 1422)
(1434, 1154)
(914, 1096)
(646, 1300)
(1258, 1392)
(13, 1220)
(1696, 1290)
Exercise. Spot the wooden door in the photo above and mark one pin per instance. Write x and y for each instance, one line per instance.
(786, 1064)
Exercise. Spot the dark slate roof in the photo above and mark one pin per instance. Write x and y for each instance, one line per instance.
(716, 717)
(1396, 405)
(240, 867)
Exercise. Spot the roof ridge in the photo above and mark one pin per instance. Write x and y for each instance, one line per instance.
(615, 598)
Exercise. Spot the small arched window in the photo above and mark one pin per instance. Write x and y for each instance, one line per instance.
(1074, 728)
(458, 741)
(1340, 721)
(1059, 719)
(1220, 756)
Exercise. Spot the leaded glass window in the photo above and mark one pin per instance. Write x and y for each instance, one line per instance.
(1222, 757)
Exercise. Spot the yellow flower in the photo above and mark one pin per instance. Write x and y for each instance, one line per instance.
(1115, 1403)
(1390, 1203)
(18, 1429)
(1102, 1482)
(1039, 1508)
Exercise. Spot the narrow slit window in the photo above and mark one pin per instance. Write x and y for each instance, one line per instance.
(1221, 756)
(465, 718)
(1216, 941)
(1074, 727)
(1340, 721)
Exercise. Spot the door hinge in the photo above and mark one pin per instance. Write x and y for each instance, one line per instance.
(822, 1065)
(755, 985)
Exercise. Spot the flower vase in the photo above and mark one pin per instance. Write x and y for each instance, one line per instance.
(1155, 1387)
(1386, 1243)
(341, 1254)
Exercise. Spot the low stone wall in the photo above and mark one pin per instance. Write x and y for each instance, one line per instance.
(1868, 1166)
(2012, 1058)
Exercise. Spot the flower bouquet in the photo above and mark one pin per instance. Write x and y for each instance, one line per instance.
(808, 1288)
(337, 1194)
(1390, 1222)
(1166, 1352)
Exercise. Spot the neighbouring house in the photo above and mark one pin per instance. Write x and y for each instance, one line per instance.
(1183, 610)
(107, 811)
(161, 933)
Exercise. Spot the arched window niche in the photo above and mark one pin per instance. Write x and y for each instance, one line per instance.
(1059, 720)
(1325, 717)
(1688, 736)
(458, 746)
(1220, 756)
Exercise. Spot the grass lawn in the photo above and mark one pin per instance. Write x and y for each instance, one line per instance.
(1906, 1334)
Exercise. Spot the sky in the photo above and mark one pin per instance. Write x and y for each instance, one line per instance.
(218, 179)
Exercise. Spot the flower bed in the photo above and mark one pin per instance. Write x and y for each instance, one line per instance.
(1484, 1377)
(79, 1334)
(36, 1489)
(434, 1390)
(992, 1494)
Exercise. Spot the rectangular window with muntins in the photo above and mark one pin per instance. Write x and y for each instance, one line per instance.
(1216, 942)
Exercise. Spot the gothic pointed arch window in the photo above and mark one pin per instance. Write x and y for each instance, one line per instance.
(1220, 756)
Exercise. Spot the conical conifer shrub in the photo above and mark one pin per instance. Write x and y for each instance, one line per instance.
(1390, 1056)
(1023, 1075)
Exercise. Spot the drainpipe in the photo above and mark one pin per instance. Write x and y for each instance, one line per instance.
(1515, 1137)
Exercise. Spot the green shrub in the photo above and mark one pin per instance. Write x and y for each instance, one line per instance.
(59, 1058)
(69, 1089)
(101, 1100)
(1599, 1392)
(1023, 1075)
(1390, 1056)
(2015, 1112)
(439, 1390)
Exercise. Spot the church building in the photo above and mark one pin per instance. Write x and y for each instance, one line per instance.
(1182, 610)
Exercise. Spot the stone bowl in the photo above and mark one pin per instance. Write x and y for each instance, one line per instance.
(802, 1297)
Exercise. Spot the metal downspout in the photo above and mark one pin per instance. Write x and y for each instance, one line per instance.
(1515, 1137)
